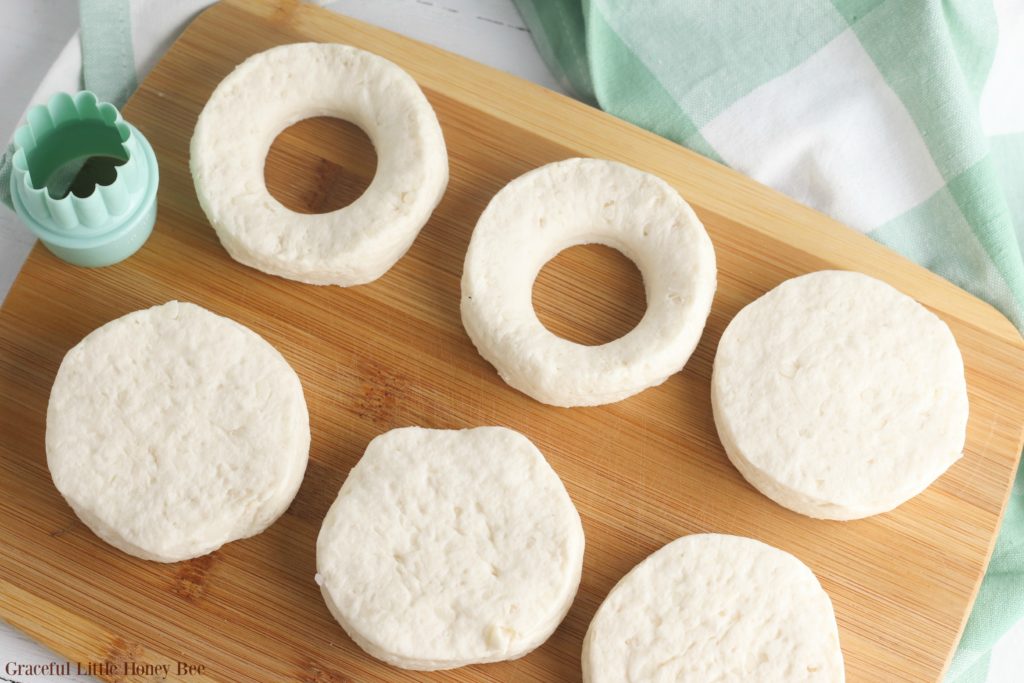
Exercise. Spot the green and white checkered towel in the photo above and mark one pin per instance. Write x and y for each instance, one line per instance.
(903, 119)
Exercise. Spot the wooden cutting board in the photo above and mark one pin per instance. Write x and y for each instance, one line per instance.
(393, 353)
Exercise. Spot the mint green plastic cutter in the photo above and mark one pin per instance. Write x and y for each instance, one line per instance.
(116, 216)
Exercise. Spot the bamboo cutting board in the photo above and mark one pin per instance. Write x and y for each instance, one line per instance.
(393, 353)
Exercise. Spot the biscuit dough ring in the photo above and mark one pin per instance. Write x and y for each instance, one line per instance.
(583, 201)
(269, 92)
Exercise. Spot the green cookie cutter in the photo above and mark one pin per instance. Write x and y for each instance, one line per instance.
(116, 214)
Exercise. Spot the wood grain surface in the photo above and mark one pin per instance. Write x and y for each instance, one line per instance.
(392, 353)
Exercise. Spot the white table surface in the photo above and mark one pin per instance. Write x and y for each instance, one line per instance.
(32, 33)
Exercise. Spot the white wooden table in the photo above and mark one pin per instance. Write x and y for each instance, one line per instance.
(32, 34)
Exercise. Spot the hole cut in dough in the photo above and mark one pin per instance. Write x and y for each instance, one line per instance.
(586, 201)
(274, 89)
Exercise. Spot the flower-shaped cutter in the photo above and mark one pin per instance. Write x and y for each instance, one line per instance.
(112, 220)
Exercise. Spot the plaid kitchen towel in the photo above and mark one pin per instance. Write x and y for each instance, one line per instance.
(903, 119)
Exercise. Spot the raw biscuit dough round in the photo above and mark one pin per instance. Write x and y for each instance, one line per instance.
(583, 201)
(839, 397)
(171, 431)
(712, 607)
(450, 547)
(274, 89)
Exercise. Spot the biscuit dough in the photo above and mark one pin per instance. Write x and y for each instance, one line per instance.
(839, 397)
(584, 201)
(450, 547)
(274, 89)
(171, 431)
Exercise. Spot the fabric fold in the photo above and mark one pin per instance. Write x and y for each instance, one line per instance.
(903, 120)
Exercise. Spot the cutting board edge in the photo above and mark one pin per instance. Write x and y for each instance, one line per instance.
(1013, 339)
(988, 558)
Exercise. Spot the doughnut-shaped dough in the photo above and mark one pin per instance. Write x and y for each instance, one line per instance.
(839, 397)
(450, 547)
(583, 201)
(274, 89)
(711, 607)
(171, 431)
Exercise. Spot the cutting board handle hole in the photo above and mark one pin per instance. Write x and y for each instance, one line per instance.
(319, 165)
(589, 294)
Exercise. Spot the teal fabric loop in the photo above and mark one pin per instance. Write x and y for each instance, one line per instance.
(5, 175)
(108, 61)
(108, 65)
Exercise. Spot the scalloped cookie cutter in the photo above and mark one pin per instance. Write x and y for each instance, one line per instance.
(113, 217)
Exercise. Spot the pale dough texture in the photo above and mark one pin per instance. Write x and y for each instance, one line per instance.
(711, 607)
(274, 89)
(450, 547)
(171, 431)
(838, 396)
(583, 201)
